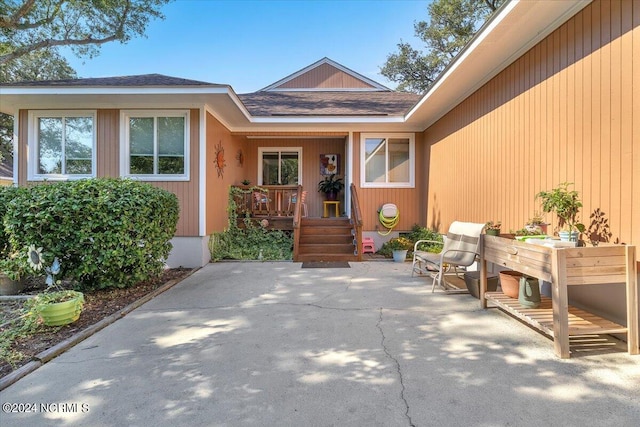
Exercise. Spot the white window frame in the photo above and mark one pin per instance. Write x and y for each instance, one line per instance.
(261, 150)
(33, 173)
(125, 160)
(387, 184)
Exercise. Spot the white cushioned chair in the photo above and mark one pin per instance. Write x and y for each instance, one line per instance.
(460, 249)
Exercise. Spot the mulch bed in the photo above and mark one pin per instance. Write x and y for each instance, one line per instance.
(98, 305)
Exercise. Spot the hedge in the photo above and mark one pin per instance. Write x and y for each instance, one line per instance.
(7, 194)
(106, 232)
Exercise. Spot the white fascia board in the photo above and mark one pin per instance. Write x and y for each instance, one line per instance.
(460, 60)
(111, 90)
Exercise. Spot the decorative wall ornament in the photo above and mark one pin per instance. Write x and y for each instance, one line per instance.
(329, 164)
(219, 160)
(240, 158)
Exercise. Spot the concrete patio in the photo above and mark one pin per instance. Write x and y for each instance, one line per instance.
(272, 344)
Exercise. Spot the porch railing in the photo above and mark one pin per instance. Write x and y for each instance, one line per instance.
(356, 221)
(297, 215)
(268, 201)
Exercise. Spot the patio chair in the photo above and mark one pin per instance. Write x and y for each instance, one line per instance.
(261, 203)
(460, 249)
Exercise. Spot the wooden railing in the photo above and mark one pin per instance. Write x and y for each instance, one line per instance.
(356, 220)
(297, 215)
(269, 201)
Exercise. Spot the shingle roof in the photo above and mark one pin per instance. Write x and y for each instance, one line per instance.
(121, 81)
(320, 103)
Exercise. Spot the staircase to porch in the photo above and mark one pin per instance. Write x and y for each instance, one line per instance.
(326, 239)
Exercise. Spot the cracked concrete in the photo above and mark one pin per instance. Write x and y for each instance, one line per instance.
(271, 344)
(395, 361)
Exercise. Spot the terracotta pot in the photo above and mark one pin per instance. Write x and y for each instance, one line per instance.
(510, 283)
(9, 286)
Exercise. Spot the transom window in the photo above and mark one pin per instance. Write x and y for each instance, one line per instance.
(388, 160)
(156, 144)
(62, 144)
(280, 166)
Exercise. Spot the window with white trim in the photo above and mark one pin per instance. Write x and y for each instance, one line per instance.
(388, 160)
(62, 144)
(280, 166)
(156, 145)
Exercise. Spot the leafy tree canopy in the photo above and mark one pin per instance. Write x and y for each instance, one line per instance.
(451, 25)
(32, 25)
(44, 64)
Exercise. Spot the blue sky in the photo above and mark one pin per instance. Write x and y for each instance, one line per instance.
(251, 44)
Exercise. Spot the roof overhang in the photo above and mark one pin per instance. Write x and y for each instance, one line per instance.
(516, 27)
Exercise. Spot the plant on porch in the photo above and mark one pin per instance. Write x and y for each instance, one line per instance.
(252, 242)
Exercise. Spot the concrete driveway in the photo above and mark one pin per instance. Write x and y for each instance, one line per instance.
(272, 344)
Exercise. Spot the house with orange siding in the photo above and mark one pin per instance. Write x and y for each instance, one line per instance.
(546, 92)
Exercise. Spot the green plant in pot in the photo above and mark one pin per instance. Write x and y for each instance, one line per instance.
(14, 268)
(399, 246)
(493, 228)
(536, 224)
(56, 307)
(566, 205)
(331, 186)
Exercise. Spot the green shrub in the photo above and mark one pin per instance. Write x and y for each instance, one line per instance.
(7, 194)
(417, 233)
(106, 232)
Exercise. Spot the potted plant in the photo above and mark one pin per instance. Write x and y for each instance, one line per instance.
(536, 224)
(56, 307)
(13, 270)
(331, 186)
(493, 228)
(566, 204)
(399, 247)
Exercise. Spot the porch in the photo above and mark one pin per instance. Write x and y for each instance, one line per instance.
(282, 207)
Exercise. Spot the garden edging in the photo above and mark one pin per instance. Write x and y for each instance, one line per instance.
(50, 353)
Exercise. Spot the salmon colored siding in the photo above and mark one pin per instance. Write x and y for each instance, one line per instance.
(234, 172)
(325, 76)
(410, 201)
(564, 111)
(108, 137)
(108, 163)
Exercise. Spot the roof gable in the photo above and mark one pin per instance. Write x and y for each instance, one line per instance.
(325, 75)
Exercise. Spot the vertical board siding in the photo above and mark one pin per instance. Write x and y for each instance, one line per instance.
(234, 171)
(567, 110)
(108, 143)
(324, 76)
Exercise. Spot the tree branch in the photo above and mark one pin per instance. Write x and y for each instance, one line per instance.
(53, 43)
(13, 22)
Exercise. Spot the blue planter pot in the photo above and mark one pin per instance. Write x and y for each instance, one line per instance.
(400, 255)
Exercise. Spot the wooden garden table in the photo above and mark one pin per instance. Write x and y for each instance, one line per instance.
(562, 267)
